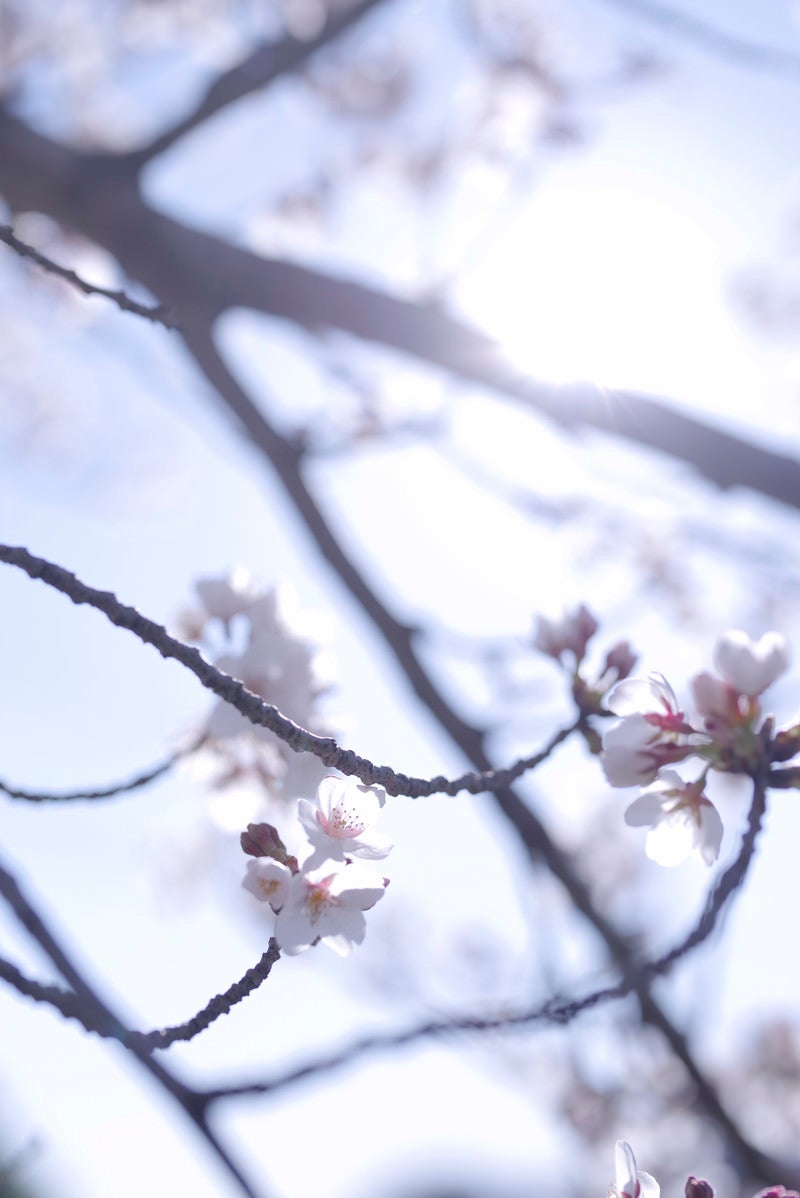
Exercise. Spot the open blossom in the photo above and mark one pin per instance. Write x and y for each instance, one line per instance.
(268, 880)
(571, 633)
(751, 666)
(680, 818)
(631, 1182)
(328, 904)
(651, 733)
(339, 824)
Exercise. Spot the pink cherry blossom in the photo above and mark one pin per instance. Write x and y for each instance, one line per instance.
(680, 818)
(631, 1182)
(339, 824)
(328, 905)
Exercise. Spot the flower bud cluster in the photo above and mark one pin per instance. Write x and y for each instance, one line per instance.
(325, 898)
(566, 640)
(653, 734)
(251, 633)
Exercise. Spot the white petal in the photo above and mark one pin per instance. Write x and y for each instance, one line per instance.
(632, 732)
(673, 839)
(268, 880)
(625, 768)
(646, 811)
(711, 697)
(293, 928)
(709, 836)
(625, 1168)
(649, 1186)
(631, 696)
(750, 667)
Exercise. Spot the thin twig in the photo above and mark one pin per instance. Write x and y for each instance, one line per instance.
(267, 63)
(71, 1007)
(96, 1012)
(158, 314)
(264, 714)
(106, 792)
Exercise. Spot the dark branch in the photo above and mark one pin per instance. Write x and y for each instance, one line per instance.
(267, 63)
(71, 1007)
(254, 708)
(158, 314)
(202, 277)
(106, 792)
(95, 1011)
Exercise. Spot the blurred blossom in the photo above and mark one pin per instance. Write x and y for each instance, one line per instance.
(570, 634)
(631, 1182)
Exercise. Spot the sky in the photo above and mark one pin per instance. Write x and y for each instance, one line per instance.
(614, 267)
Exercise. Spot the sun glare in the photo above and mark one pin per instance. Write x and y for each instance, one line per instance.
(618, 286)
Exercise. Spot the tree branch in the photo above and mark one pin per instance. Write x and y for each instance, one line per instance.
(72, 1007)
(267, 63)
(201, 277)
(158, 314)
(193, 1102)
(254, 708)
(106, 792)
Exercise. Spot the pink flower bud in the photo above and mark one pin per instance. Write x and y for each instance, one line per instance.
(262, 840)
(621, 659)
(695, 1188)
(777, 1192)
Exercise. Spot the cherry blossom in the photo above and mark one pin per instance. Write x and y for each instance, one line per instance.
(328, 905)
(268, 880)
(571, 633)
(652, 732)
(339, 824)
(751, 666)
(228, 595)
(681, 820)
(631, 1182)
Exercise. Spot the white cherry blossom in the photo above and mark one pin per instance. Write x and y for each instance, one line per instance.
(268, 880)
(652, 732)
(751, 666)
(328, 904)
(680, 818)
(339, 824)
(631, 1182)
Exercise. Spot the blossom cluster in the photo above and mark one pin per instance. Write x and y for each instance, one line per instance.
(325, 898)
(653, 734)
(630, 1182)
(253, 634)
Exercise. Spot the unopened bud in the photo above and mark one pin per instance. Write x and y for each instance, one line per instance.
(621, 659)
(777, 1192)
(696, 1188)
(262, 840)
(786, 744)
